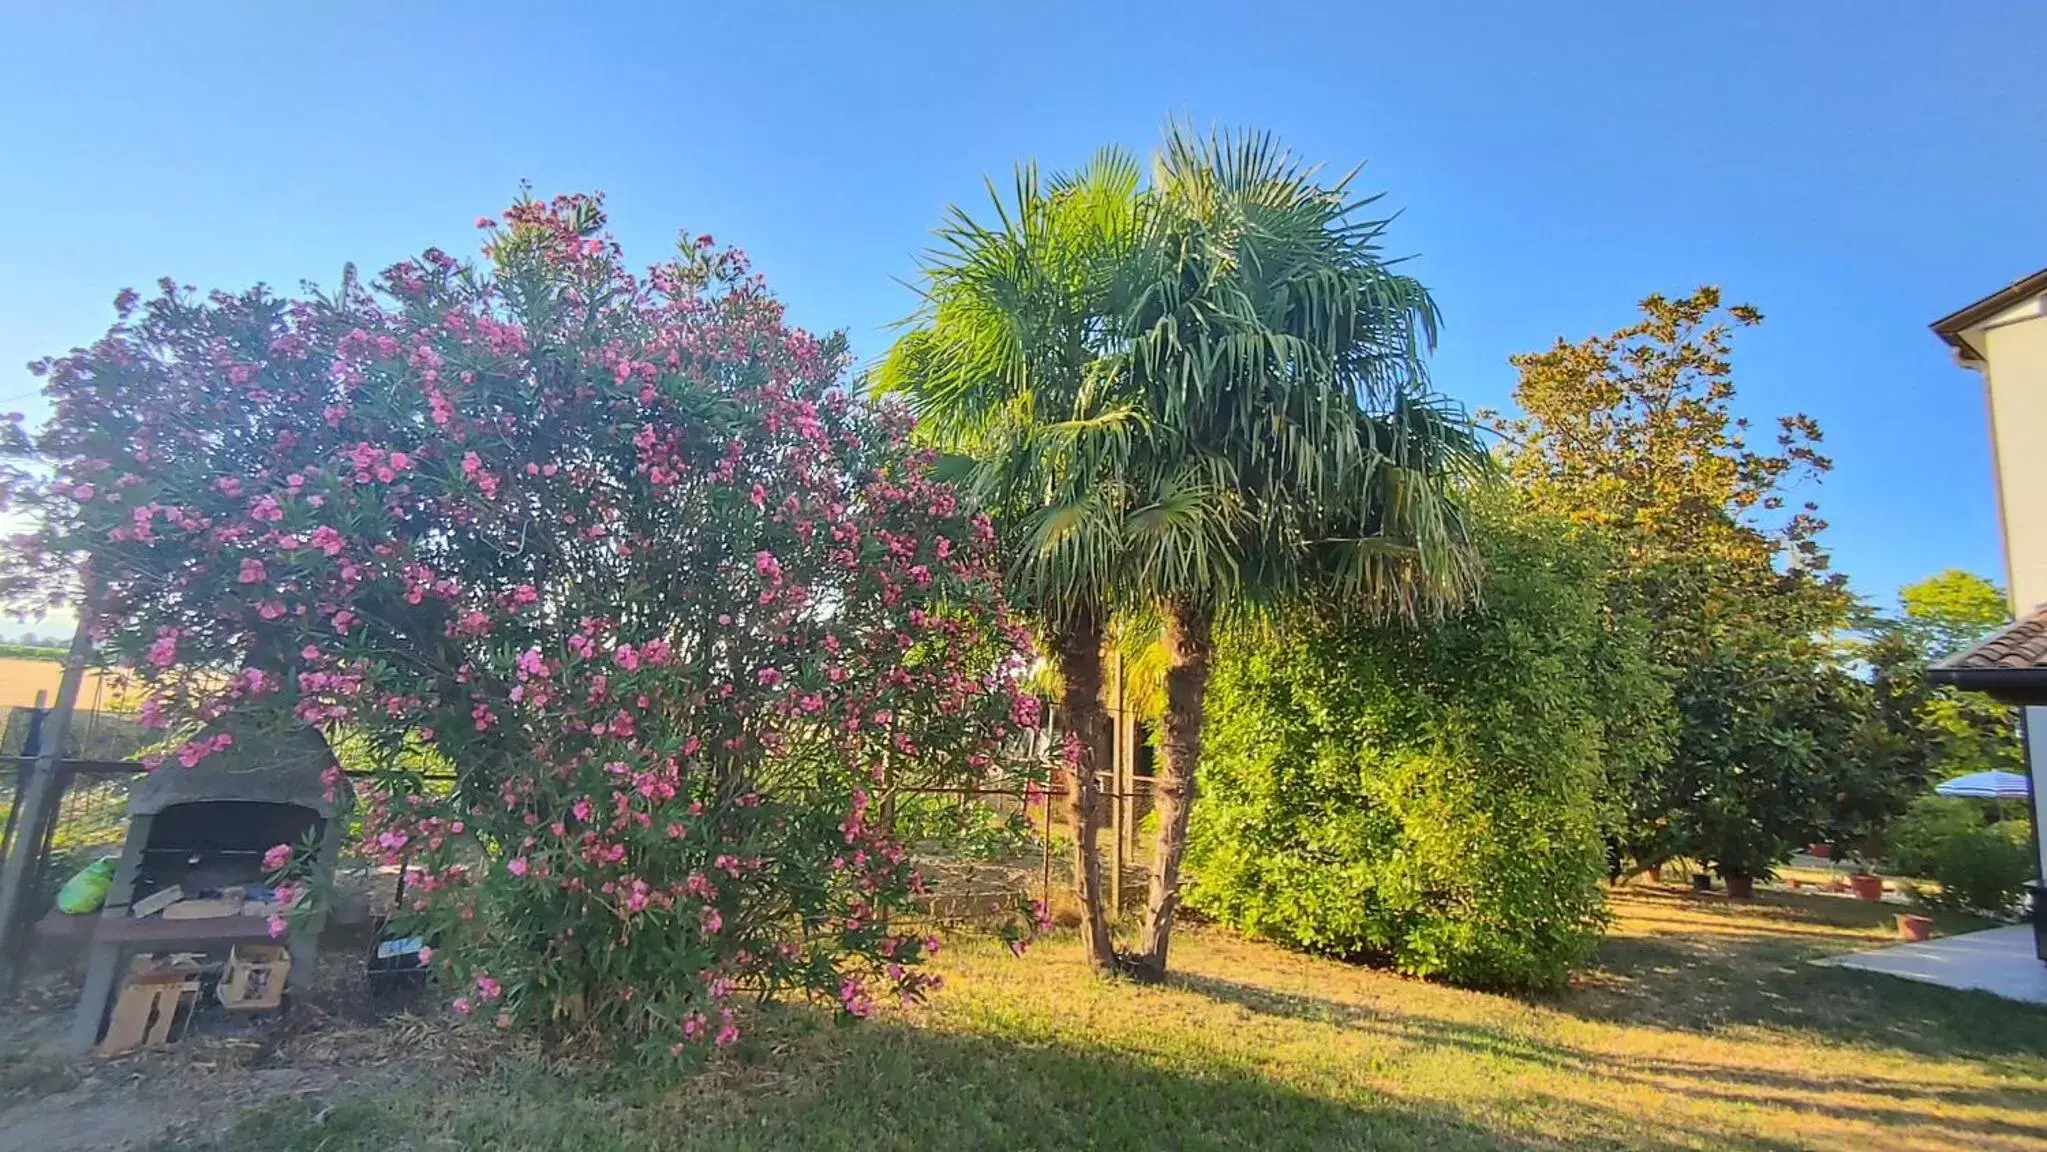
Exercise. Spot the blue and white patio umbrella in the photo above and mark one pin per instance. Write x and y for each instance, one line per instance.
(1985, 786)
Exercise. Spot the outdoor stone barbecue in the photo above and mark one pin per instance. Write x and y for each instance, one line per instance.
(205, 829)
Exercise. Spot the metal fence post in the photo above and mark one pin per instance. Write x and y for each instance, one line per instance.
(32, 742)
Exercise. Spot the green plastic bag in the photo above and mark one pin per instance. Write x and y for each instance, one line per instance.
(87, 890)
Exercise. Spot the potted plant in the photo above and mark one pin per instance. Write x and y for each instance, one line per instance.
(1856, 832)
(1866, 884)
(1740, 848)
(1742, 861)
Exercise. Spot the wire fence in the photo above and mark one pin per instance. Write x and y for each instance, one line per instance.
(982, 847)
(97, 766)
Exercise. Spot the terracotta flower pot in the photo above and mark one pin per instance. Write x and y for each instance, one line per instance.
(1912, 926)
(1820, 851)
(1867, 887)
(1741, 887)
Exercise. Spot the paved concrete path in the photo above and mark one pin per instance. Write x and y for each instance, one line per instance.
(1996, 960)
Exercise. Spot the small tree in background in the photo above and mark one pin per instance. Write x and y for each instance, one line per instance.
(1951, 610)
(1766, 775)
(1940, 616)
(619, 551)
(1922, 733)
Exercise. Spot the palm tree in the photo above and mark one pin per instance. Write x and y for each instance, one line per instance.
(1007, 366)
(1198, 399)
(1273, 343)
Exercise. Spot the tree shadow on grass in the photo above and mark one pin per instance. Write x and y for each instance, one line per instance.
(877, 1086)
(1706, 981)
(1914, 1105)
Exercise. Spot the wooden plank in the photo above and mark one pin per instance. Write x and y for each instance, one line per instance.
(209, 909)
(155, 930)
(156, 902)
(148, 1006)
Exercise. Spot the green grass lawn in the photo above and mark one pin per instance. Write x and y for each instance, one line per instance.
(1699, 1027)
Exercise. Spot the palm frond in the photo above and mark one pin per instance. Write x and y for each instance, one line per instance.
(1211, 386)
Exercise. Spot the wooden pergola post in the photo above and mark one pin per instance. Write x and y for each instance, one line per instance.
(1117, 843)
(1126, 757)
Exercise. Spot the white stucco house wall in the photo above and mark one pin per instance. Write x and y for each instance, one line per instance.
(2003, 338)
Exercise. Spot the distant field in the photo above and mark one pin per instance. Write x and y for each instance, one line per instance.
(22, 677)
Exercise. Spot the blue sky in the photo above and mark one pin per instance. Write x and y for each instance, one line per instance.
(1854, 170)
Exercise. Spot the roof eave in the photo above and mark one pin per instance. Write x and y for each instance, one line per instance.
(1951, 326)
(2021, 686)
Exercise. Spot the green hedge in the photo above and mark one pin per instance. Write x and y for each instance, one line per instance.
(1980, 866)
(1430, 799)
(1913, 841)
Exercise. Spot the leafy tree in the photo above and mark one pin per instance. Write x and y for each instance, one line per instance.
(1912, 732)
(1951, 610)
(1633, 433)
(1789, 763)
(1940, 616)
(1927, 732)
(1229, 411)
(1430, 800)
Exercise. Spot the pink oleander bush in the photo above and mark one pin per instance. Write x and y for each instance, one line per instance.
(621, 551)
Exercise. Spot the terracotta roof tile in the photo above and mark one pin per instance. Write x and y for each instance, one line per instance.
(2020, 647)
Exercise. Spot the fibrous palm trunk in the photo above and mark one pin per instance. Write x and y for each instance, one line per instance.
(1190, 654)
(1077, 644)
